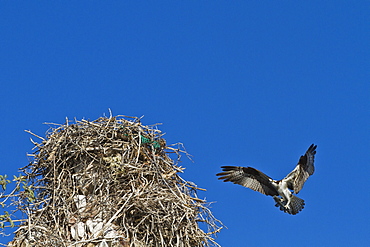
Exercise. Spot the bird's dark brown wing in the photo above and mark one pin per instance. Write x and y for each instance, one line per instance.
(248, 177)
(303, 170)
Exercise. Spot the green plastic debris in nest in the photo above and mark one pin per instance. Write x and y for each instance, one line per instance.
(146, 140)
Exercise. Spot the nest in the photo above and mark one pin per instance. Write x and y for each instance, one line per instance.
(111, 182)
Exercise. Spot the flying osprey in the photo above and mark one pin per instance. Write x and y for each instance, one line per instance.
(281, 190)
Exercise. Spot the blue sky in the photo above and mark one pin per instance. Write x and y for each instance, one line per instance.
(245, 83)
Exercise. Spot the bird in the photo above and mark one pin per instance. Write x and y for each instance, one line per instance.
(283, 191)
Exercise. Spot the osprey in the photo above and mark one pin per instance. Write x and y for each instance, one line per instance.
(281, 190)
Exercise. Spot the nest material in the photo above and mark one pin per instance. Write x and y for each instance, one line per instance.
(111, 182)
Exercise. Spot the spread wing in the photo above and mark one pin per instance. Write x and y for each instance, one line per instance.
(303, 170)
(248, 177)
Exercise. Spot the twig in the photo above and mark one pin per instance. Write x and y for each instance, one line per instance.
(29, 132)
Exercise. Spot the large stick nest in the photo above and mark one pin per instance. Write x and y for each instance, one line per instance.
(111, 182)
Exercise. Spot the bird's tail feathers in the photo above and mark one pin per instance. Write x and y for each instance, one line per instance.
(293, 206)
(296, 204)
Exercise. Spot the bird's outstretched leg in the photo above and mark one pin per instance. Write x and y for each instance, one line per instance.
(295, 204)
(285, 204)
(280, 203)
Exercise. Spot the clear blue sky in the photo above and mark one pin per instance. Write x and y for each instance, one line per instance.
(246, 83)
